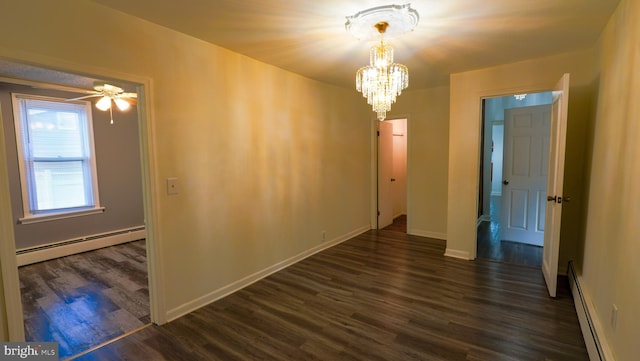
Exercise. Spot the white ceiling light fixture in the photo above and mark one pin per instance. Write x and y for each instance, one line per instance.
(383, 80)
(111, 93)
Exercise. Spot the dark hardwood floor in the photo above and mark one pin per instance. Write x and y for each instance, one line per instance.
(84, 300)
(382, 295)
(399, 224)
(491, 246)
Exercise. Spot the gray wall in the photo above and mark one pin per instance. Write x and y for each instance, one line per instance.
(118, 168)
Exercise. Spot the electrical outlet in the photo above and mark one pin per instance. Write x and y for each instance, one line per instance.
(614, 316)
(324, 235)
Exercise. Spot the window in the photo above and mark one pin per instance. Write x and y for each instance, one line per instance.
(56, 158)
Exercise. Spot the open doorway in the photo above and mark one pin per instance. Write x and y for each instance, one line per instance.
(392, 175)
(67, 264)
(513, 176)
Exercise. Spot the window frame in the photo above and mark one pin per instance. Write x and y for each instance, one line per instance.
(32, 216)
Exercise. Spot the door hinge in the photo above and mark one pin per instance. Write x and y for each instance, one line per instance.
(378, 212)
(378, 132)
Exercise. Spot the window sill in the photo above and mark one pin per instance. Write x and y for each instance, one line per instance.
(57, 216)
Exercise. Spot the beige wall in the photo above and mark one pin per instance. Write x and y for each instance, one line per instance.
(427, 113)
(8, 262)
(266, 160)
(467, 90)
(610, 269)
(6, 239)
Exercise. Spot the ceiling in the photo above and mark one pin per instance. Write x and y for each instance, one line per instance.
(308, 37)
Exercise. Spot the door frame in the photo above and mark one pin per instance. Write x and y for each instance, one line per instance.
(374, 168)
(8, 259)
(481, 154)
(465, 122)
(494, 94)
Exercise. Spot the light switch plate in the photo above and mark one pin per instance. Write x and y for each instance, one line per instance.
(172, 186)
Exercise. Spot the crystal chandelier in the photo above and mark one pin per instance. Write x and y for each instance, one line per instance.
(383, 80)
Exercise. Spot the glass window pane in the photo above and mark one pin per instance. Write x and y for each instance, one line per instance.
(56, 147)
(60, 185)
(55, 133)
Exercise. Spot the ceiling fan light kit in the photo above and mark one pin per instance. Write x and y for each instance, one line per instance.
(104, 103)
(382, 80)
(110, 93)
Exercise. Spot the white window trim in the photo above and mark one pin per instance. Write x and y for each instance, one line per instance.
(29, 217)
(37, 218)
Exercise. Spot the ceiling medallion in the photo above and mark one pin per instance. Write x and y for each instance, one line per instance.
(382, 80)
(401, 19)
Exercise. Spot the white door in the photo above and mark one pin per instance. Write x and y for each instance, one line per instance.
(385, 171)
(554, 183)
(524, 173)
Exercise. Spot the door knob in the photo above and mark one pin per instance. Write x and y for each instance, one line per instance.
(505, 182)
(558, 199)
(393, 179)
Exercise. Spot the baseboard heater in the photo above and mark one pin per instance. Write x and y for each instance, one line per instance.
(587, 324)
(49, 251)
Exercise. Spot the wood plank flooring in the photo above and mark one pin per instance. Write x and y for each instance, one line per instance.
(491, 246)
(83, 300)
(382, 295)
(399, 224)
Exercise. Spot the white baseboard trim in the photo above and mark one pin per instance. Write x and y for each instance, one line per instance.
(483, 218)
(50, 251)
(428, 234)
(597, 346)
(457, 254)
(527, 242)
(563, 270)
(246, 281)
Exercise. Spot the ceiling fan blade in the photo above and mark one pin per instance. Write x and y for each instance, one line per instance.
(122, 98)
(84, 97)
(129, 95)
(107, 88)
(132, 101)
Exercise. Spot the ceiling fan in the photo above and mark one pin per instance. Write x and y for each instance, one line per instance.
(111, 94)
